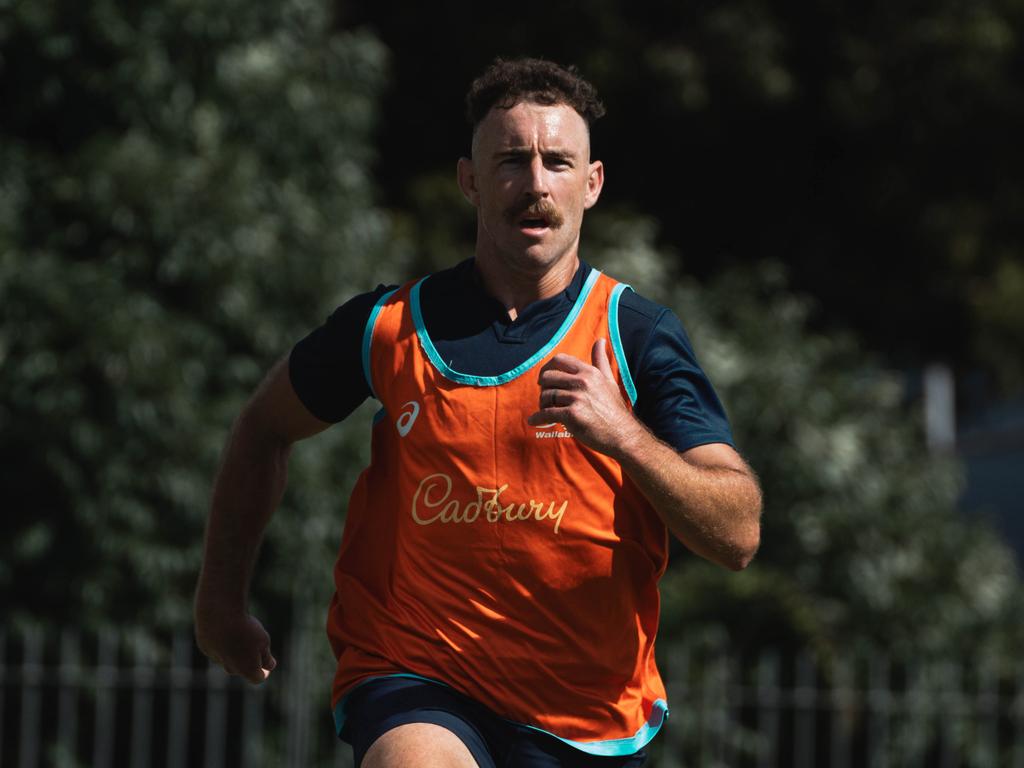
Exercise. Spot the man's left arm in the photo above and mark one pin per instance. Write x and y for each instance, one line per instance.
(707, 496)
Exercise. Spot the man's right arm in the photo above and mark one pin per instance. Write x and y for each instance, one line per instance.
(248, 488)
(320, 383)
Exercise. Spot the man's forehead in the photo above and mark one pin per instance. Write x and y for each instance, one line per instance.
(525, 122)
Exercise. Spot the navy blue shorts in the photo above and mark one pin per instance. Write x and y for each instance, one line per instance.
(380, 705)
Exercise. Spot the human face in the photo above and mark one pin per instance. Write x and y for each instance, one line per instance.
(530, 179)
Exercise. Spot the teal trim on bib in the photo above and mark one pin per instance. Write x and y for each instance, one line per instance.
(519, 370)
(620, 354)
(620, 747)
(368, 338)
(608, 748)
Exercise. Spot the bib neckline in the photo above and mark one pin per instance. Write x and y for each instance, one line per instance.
(492, 381)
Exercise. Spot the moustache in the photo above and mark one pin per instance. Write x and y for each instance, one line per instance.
(538, 209)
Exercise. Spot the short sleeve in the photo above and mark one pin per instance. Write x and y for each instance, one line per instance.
(326, 367)
(675, 398)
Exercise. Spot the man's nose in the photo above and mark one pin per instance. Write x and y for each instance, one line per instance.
(537, 179)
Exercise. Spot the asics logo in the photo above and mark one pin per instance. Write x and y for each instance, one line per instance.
(408, 417)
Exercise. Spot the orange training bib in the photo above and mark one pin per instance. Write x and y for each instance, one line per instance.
(507, 561)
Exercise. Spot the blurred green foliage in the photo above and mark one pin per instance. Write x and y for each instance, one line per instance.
(189, 187)
(185, 193)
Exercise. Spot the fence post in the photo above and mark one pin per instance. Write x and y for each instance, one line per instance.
(879, 704)
(1017, 719)
(805, 700)
(142, 700)
(987, 707)
(106, 680)
(252, 726)
(843, 712)
(70, 677)
(3, 688)
(768, 700)
(951, 682)
(677, 687)
(31, 696)
(216, 715)
(298, 696)
(180, 683)
(719, 695)
(731, 707)
(703, 719)
(917, 706)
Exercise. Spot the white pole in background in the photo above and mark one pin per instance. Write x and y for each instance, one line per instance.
(939, 408)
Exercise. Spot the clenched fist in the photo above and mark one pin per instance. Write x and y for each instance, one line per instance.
(236, 641)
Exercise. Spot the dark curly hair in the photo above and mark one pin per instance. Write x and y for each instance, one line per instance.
(506, 82)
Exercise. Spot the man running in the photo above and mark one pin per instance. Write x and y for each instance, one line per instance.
(543, 429)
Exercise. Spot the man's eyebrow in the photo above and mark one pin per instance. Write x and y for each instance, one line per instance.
(563, 154)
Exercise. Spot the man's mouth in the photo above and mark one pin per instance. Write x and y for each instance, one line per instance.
(531, 224)
(536, 219)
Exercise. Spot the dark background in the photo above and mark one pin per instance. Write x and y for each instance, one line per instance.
(874, 151)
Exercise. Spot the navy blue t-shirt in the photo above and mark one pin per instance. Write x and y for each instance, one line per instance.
(472, 332)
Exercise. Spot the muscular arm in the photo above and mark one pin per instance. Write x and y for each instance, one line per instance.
(247, 490)
(707, 496)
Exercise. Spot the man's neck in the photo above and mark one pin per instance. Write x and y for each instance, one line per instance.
(517, 289)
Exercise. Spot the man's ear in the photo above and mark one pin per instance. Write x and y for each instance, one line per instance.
(466, 176)
(595, 182)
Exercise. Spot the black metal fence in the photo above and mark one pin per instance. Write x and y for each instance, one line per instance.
(128, 699)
